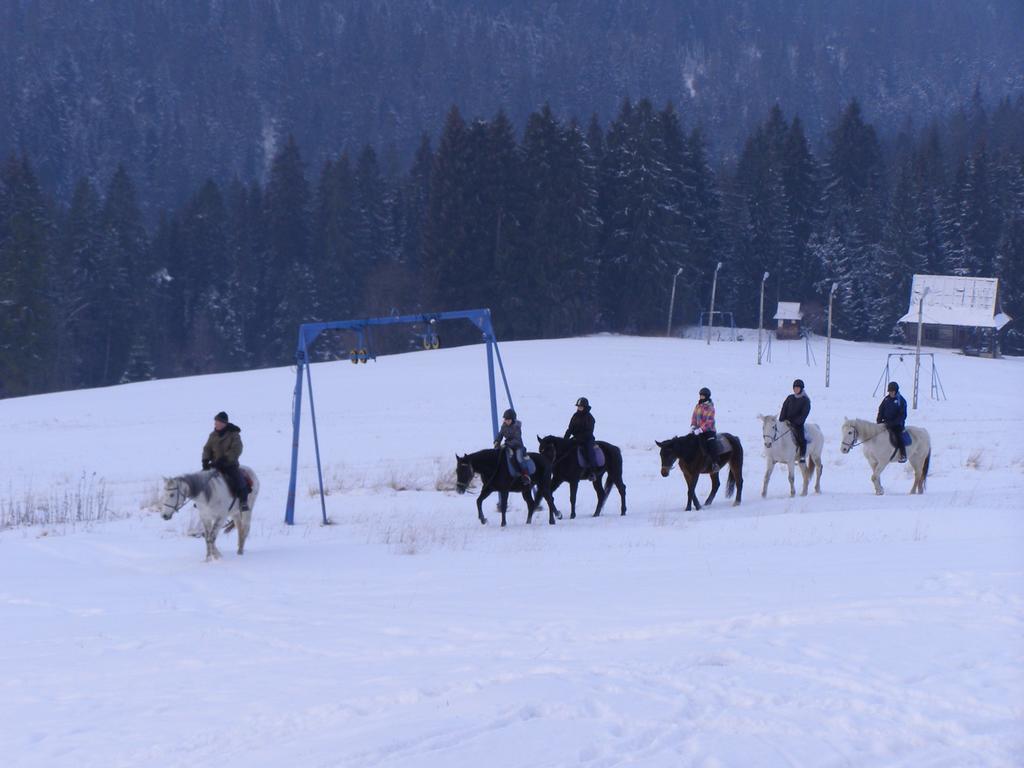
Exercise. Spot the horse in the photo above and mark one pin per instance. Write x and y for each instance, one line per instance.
(686, 450)
(565, 468)
(779, 450)
(214, 500)
(492, 466)
(879, 452)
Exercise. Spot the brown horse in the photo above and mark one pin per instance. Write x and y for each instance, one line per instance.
(686, 451)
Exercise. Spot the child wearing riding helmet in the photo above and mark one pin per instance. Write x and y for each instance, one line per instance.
(581, 432)
(702, 424)
(511, 434)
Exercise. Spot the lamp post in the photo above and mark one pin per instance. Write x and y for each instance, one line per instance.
(917, 354)
(711, 314)
(672, 301)
(828, 344)
(760, 318)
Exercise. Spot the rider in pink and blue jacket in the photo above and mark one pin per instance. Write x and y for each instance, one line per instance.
(702, 424)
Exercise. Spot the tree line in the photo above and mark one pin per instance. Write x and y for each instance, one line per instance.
(568, 229)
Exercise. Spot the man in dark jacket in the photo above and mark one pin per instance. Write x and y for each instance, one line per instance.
(893, 413)
(795, 410)
(581, 432)
(222, 451)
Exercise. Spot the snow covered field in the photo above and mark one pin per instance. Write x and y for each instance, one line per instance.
(838, 630)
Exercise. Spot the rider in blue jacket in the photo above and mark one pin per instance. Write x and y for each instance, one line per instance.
(893, 413)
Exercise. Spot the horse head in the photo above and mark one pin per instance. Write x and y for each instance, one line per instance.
(463, 473)
(849, 436)
(668, 455)
(769, 430)
(548, 447)
(175, 496)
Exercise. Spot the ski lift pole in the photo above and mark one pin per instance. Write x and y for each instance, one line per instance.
(917, 354)
(711, 314)
(828, 343)
(760, 318)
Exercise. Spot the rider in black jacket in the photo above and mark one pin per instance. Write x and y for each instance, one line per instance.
(795, 411)
(581, 432)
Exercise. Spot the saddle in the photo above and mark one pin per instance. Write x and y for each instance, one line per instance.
(528, 464)
(581, 457)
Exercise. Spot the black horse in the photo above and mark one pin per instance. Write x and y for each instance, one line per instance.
(692, 461)
(492, 466)
(565, 468)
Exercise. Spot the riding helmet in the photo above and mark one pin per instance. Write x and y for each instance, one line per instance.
(893, 387)
(798, 383)
(509, 414)
(222, 416)
(705, 392)
(584, 402)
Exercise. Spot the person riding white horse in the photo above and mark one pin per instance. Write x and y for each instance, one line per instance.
(215, 502)
(878, 450)
(795, 410)
(222, 451)
(781, 448)
(892, 412)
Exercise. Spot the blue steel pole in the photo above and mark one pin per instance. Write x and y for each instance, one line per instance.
(490, 383)
(316, 444)
(300, 361)
(504, 378)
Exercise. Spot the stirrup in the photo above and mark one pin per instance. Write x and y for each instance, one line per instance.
(902, 460)
(244, 505)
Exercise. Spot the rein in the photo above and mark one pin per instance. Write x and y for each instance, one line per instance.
(777, 435)
(855, 443)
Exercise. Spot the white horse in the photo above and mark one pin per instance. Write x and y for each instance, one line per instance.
(780, 448)
(215, 502)
(879, 452)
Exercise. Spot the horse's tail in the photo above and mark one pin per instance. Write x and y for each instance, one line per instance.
(924, 470)
(737, 460)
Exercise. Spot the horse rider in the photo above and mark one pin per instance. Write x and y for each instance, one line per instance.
(892, 412)
(221, 452)
(795, 410)
(581, 432)
(511, 433)
(702, 424)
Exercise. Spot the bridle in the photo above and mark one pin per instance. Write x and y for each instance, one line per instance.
(775, 432)
(180, 498)
(854, 443)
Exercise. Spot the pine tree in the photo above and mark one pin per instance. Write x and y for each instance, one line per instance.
(642, 221)
(289, 296)
(26, 316)
(127, 278)
(556, 276)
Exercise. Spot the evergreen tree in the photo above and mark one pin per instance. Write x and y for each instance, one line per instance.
(288, 298)
(26, 313)
(126, 276)
(555, 287)
(642, 221)
(1009, 264)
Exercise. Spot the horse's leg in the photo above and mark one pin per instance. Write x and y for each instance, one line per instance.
(601, 496)
(573, 486)
(876, 472)
(716, 483)
(531, 505)
(790, 473)
(242, 524)
(622, 493)
(503, 505)
(210, 528)
(817, 473)
(769, 466)
(805, 470)
(484, 493)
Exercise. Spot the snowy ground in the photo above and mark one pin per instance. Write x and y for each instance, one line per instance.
(840, 630)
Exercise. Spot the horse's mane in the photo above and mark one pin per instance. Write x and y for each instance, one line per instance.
(198, 483)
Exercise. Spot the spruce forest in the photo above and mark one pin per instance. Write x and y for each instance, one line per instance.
(181, 252)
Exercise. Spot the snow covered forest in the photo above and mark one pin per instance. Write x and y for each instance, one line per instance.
(127, 254)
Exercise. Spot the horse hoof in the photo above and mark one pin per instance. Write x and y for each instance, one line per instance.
(483, 521)
(735, 503)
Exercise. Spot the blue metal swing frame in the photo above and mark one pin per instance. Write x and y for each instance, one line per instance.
(308, 334)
